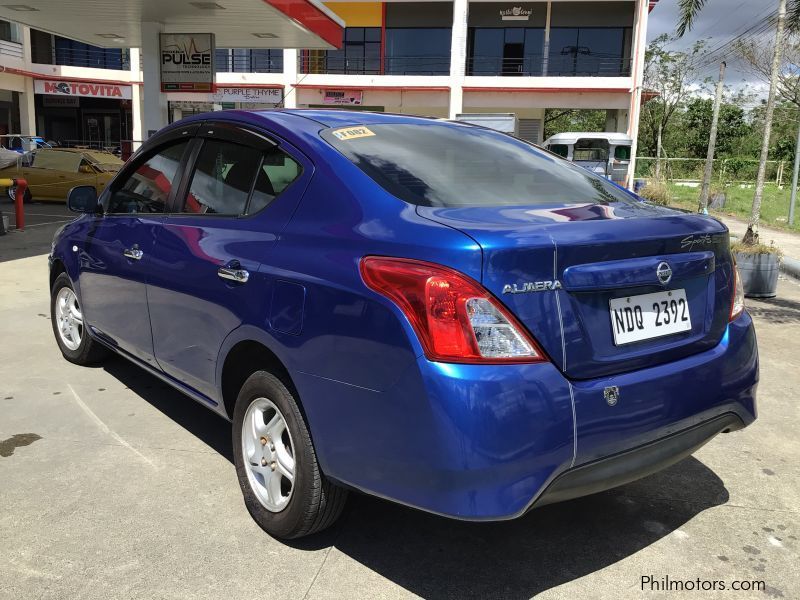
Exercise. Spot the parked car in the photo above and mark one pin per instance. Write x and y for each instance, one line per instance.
(427, 311)
(52, 172)
(23, 143)
(608, 154)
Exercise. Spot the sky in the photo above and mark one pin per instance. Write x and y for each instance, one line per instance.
(719, 21)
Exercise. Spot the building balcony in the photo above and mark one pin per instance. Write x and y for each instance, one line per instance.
(241, 60)
(47, 49)
(328, 64)
(538, 65)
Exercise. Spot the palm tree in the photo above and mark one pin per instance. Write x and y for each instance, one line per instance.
(689, 10)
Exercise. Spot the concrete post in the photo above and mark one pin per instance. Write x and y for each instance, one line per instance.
(637, 72)
(458, 56)
(27, 107)
(290, 70)
(154, 103)
(137, 112)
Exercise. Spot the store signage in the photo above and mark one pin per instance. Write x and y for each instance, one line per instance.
(51, 101)
(516, 13)
(248, 95)
(187, 62)
(350, 98)
(84, 89)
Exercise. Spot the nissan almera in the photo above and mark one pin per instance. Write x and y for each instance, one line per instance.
(423, 310)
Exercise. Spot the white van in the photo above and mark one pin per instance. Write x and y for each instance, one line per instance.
(607, 154)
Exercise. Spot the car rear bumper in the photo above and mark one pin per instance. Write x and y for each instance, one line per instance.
(633, 464)
(481, 442)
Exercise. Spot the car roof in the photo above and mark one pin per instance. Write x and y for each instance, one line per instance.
(339, 118)
(324, 117)
(570, 137)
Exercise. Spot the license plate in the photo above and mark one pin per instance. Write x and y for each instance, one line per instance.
(638, 318)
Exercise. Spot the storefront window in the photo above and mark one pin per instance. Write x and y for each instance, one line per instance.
(77, 54)
(10, 32)
(506, 51)
(417, 51)
(588, 51)
(360, 54)
(248, 60)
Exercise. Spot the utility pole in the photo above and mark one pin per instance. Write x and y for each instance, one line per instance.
(751, 235)
(712, 143)
(793, 195)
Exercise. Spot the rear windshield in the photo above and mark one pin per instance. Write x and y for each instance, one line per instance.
(442, 164)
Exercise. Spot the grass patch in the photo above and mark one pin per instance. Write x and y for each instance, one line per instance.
(774, 204)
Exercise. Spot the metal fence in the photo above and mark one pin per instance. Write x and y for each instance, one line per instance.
(726, 170)
(336, 64)
(538, 65)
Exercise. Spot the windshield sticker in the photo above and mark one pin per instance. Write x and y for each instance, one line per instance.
(351, 133)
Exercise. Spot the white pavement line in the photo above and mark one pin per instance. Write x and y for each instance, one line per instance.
(35, 214)
(48, 223)
(106, 428)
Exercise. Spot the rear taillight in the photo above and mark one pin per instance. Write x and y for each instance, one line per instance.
(455, 318)
(737, 301)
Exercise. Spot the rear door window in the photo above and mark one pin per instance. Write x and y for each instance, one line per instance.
(446, 164)
(232, 179)
(276, 172)
(222, 179)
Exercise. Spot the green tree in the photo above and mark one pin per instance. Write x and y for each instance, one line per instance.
(557, 120)
(668, 79)
(785, 20)
(697, 126)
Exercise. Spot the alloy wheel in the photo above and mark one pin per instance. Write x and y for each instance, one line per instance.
(69, 319)
(269, 454)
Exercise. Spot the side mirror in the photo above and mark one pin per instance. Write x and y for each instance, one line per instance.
(83, 199)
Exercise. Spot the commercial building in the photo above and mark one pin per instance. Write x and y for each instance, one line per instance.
(431, 58)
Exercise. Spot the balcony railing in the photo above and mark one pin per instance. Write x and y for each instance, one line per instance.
(392, 65)
(580, 65)
(249, 63)
(102, 58)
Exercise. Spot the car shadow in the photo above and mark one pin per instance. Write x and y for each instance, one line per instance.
(204, 424)
(434, 557)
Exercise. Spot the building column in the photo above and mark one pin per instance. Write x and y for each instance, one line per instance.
(154, 103)
(137, 115)
(27, 106)
(290, 70)
(617, 120)
(27, 109)
(458, 56)
(637, 73)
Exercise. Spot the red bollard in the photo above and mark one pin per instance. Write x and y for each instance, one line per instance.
(22, 186)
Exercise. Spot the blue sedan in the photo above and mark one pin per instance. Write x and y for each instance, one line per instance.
(423, 310)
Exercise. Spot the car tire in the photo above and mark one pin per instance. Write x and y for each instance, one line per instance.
(12, 194)
(262, 448)
(69, 326)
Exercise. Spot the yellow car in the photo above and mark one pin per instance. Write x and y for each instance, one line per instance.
(52, 172)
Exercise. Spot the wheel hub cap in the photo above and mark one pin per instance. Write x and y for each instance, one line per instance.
(69, 319)
(269, 454)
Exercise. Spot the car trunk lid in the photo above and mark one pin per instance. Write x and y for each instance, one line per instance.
(558, 269)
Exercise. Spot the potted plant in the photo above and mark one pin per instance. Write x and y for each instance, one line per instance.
(758, 268)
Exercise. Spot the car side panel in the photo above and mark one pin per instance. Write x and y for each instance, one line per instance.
(192, 309)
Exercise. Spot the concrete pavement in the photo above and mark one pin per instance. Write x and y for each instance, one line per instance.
(42, 219)
(112, 485)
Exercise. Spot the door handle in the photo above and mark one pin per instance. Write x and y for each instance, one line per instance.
(133, 253)
(233, 271)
